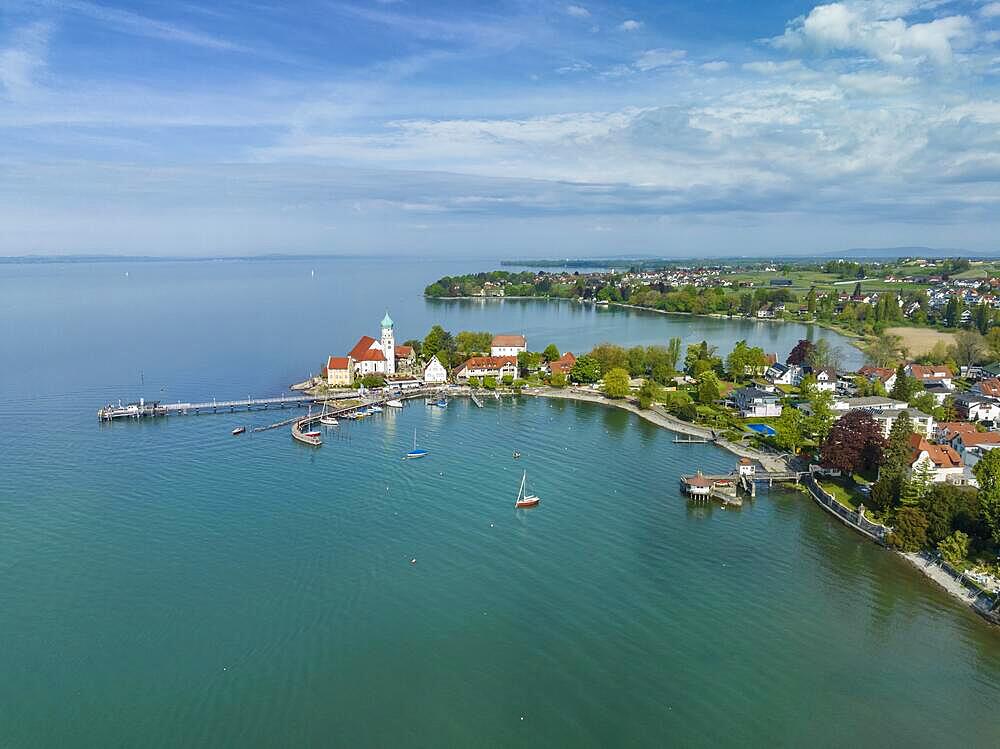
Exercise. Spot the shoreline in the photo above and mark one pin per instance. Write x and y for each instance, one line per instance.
(955, 590)
(854, 339)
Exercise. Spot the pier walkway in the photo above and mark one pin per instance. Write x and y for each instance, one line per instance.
(146, 409)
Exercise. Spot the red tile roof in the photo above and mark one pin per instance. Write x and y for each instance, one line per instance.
(943, 456)
(929, 373)
(563, 364)
(990, 387)
(337, 362)
(508, 340)
(489, 362)
(363, 350)
(404, 352)
(980, 438)
(881, 372)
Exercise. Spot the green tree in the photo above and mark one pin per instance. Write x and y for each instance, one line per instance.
(673, 353)
(885, 351)
(824, 355)
(470, 342)
(820, 418)
(551, 353)
(416, 345)
(586, 369)
(955, 548)
(970, 348)
(919, 483)
(438, 342)
(507, 380)
(789, 430)
(745, 361)
(649, 393)
(909, 529)
(474, 382)
(708, 388)
(490, 383)
(558, 380)
(952, 312)
(609, 356)
(636, 357)
(905, 386)
(987, 472)
(529, 361)
(616, 383)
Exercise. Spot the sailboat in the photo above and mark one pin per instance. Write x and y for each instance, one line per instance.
(524, 499)
(327, 419)
(415, 452)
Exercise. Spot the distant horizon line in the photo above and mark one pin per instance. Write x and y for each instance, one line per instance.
(877, 253)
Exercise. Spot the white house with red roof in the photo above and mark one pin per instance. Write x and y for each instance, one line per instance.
(434, 371)
(930, 374)
(487, 366)
(943, 461)
(376, 357)
(508, 345)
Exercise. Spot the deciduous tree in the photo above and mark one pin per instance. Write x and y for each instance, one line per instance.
(551, 353)
(800, 353)
(616, 383)
(855, 443)
(586, 369)
(987, 472)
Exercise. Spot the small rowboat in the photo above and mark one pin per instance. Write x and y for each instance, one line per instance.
(238, 431)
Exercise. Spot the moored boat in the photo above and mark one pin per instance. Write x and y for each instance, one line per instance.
(328, 421)
(394, 403)
(239, 430)
(416, 452)
(375, 410)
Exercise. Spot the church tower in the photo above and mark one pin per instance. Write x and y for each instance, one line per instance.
(388, 344)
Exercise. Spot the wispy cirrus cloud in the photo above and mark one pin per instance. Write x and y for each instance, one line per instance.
(23, 57)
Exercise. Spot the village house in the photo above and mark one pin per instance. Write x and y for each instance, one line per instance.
(754, 402)
(972, 407)
(563, 365)
(508, 345)
(435, 372)
(922, 423)
(406, 358)
(945, 430)
(881, 374)
(784, 374)
(937, 374)
(989, 388)
(972, 445)
(339, 371)
(487, 366)
(826, 379)
(943, 461)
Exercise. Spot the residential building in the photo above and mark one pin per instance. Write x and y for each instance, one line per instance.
(945, 430)
(563, 365)
(989, 388)
(930, 374)
(977, 408)
(434, 372)
(868, 402)
(886, 376)
(487, 366)
(339, 371)
(826, 379)
(943, 461)
(972, 445)
(406, 358)
(784, 374)
(508, 345)
(754, 402)
(922, 423)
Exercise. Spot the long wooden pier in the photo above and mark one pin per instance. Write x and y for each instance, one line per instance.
(142, 408)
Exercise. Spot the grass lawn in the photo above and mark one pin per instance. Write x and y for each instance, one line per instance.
(839, 492)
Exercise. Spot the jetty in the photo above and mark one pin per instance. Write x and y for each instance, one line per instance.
(142, 408)
(725, 487)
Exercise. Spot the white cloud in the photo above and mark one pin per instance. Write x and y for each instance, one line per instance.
(773, 68)
(631, 25)
(577, 11)
(874, 84)
(715, 66)
(21, 61)
(877, 29)
(658, 58)
(990, 10)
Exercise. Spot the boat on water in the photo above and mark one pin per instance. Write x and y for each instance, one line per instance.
(525, 499)
(441, 403)
(375, 410)
(314, 434)
(416, 452)
(238, 431)
(328, 421)
(517, 454)
(394, 403)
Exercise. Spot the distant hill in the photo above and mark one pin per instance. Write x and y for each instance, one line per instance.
(881, 253)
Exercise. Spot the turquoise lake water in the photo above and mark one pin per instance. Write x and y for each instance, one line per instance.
(166, 584)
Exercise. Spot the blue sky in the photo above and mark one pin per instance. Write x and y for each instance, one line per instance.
(498, 129)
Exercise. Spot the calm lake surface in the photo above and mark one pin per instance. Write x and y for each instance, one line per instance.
(165, 584)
